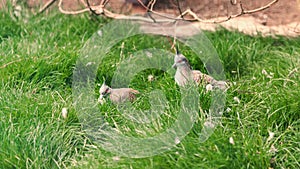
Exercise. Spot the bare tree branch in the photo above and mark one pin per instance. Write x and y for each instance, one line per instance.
(89, 6)
(151, 4)
(243, 12)
(102, 10)
(179, 9)
(46, 6)
(70, 12)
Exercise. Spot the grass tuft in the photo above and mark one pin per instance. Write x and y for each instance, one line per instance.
(37, 60)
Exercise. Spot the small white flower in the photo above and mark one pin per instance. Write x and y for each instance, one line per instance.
(209, 87)
(228, 110)
(116, 158)
(64, 113)
(148, 54)
(236, 99)
(99, 32)
(271, 136)
(150, 78)
(231, 141)
(177, 140)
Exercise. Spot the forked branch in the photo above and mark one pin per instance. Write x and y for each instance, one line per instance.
(101, 9)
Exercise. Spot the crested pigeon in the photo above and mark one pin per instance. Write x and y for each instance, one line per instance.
(184, 73)
(117, 95)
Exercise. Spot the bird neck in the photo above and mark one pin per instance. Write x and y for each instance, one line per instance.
(184, 66)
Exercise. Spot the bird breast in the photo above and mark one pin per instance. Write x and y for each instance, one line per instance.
(183, 75)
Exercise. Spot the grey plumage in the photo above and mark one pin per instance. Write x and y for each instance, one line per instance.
(184, 74)
(117, 95)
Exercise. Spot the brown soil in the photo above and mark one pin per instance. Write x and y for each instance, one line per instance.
(283, 18)
(281, 13)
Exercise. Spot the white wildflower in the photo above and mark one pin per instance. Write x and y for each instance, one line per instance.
(148, 54)
(231, 141)
(236, 99)
(150, 78)
(177, 140)
(271, 136)
(116, 158)
(99, 32)
(64, 113)
(228, 110)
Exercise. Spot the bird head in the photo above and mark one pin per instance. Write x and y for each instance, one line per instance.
(180, 60)
(104, 90)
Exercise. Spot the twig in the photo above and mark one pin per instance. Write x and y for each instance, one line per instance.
(143, 5)
(243, 12)
(100, 9)
(151, 4)
(89, 6)
(46, 6)
(179, 9)
(70, 12)
(150, 16)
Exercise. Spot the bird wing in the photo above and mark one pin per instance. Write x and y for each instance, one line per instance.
(134, 91)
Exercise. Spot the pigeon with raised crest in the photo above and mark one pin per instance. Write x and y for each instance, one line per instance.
(184, 74)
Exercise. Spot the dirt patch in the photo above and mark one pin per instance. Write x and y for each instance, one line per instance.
(283, 18)
(281, 13)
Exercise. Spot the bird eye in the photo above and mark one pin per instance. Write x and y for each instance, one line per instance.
(182, 60)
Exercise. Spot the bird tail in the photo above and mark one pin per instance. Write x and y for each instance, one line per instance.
(135, 91)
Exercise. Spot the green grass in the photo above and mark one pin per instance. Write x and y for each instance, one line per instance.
(37, 59)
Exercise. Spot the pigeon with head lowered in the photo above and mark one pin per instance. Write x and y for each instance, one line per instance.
(117, 95)
(184, 74)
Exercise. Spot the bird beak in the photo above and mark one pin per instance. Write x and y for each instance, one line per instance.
(174, 66)
(101, 97)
